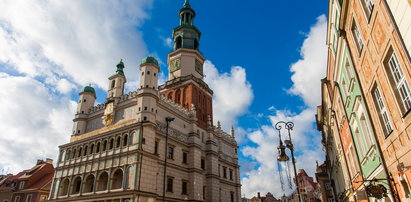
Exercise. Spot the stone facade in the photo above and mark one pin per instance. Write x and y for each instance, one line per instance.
(118, 149)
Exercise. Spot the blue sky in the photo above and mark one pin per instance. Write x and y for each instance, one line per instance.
(265, 58)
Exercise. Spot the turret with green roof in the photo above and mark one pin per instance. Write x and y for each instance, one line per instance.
(149, 59)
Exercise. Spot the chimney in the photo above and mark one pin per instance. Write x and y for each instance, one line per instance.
(258, 195)
(39, 161)
(48, 160)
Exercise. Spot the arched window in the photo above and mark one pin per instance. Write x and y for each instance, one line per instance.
(178, 43)
(68, 154)
(85, 150)
(178, 96)
(91, 149)
(74, 154)
(195, 44)
(79, 152)
(104, 146)
(118, 142)
(89, 184)
(113, 83)
(125, 141)
(117, 179)
(64, 186)
(111, 145)
(170, 95)
(98, 147)
(75, 186)
(102, 181)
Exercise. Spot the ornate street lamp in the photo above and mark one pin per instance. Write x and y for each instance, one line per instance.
(168, 120)
(282, 157)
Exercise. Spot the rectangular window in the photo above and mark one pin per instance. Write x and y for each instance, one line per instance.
(405, 186)
(232, 196)
(382, 111)
(21, 186)
(184, 187)
(224, 172)
(357, 36)
(28, 199)
(170, 153)
(202, 163)
(156, 147)
(185, 157)
(169, 184)
(398, 81)
(231, 174)
(17, 199)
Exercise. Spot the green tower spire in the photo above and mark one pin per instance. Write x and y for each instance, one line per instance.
(120, 67)
(186, 35)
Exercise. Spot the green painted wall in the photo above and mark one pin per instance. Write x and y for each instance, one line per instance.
(371, 160)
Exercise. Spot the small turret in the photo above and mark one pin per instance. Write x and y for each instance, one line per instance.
(117, 81)
(149, 73)
(148, 92)
(87, 98)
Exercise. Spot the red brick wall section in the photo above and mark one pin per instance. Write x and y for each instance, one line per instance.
(190, 94)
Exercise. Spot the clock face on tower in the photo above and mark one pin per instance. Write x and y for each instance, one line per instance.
(199, 67)
(175, 64)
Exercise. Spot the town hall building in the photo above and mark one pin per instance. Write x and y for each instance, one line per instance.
(157, 143)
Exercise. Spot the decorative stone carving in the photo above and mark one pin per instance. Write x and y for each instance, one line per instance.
(172, 133)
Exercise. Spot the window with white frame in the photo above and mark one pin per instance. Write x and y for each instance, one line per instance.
(366, 131)
(382, 111)
(21, 185)
(399, 82)
(17, 199)
(28, 199)
(357, 36)
(405, 186)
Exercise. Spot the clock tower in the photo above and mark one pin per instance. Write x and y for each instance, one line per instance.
(185, 84)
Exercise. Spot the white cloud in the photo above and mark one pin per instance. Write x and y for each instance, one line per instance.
(307, 73)
(167, 42)
(310, 69)
(232, 93)
(81, 41)
(33, 123)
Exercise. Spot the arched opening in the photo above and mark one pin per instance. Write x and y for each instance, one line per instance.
(64, 186)
(178, 43)
(73, 155)
(89, 184)
(113, 83)
(118, 142)
(117, 180)
(79, 152)
(170, 95)
(111, 144)
(68, 155)
(75, 186)
(85, 150)
(196, 44)
(98, 147)
(178, 96)
(125, 141)
(91, 149)
(102, 181)
(104, 145)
